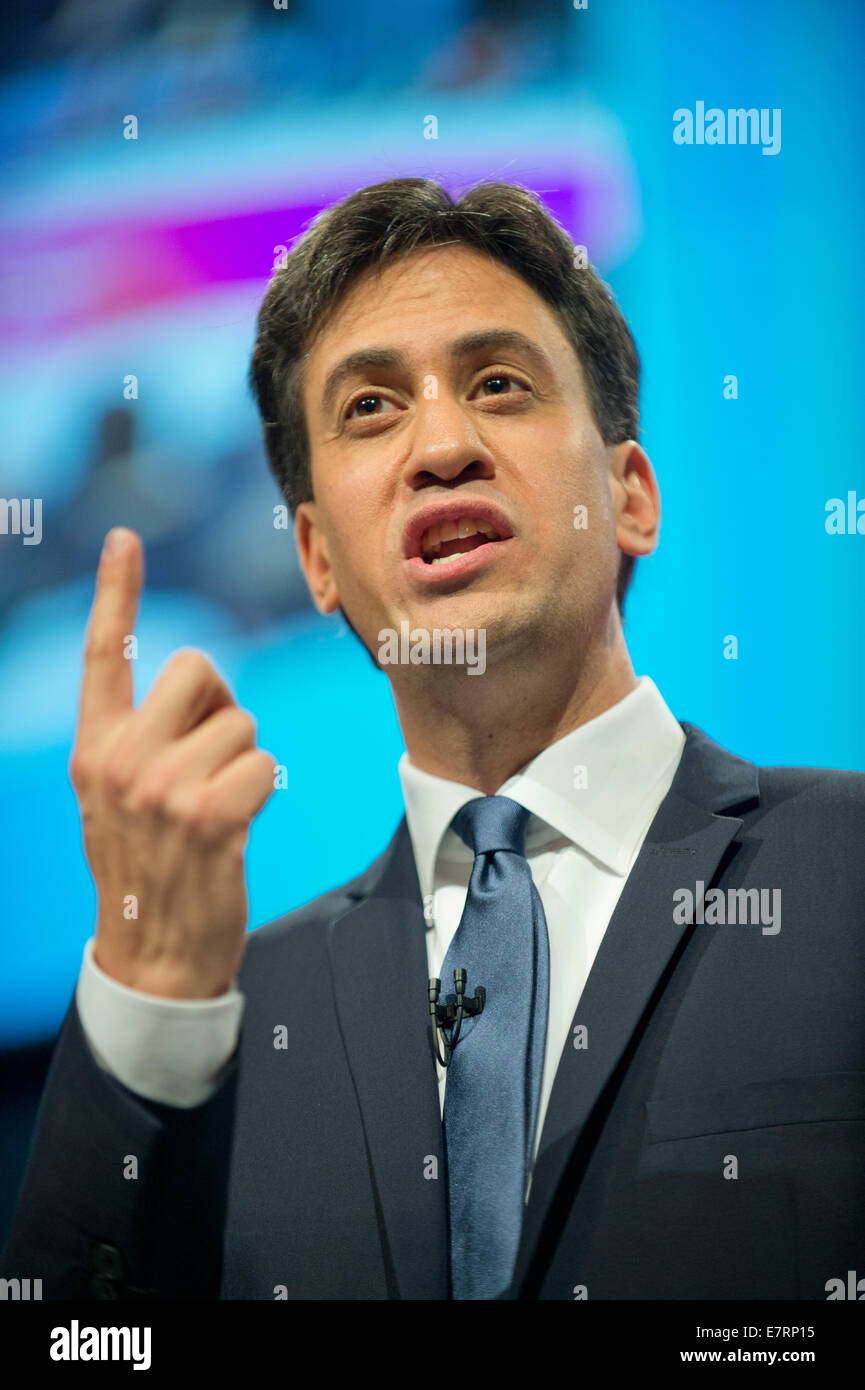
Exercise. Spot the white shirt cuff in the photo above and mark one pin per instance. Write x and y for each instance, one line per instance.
(167, 1050)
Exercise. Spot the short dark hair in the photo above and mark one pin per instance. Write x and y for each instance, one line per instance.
(386, 221)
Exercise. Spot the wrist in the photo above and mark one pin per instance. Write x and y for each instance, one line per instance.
(162, 979)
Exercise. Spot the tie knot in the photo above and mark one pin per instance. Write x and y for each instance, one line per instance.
(490, 823)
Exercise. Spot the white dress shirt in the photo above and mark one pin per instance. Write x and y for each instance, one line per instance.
(592, 796)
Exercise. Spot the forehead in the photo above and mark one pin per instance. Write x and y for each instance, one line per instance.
(427, 298)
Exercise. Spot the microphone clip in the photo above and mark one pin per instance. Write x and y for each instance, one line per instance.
(449, 1016)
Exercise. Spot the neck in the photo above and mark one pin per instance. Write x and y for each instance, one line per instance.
(480, 737)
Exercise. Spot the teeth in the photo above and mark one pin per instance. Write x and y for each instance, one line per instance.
(434, 537)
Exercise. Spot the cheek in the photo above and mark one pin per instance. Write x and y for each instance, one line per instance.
(349, 557)
(351, 511)
(356, 560)
(577, 519)
(366, 537)
(576, 498)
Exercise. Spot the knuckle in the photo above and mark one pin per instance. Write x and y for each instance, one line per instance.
(186, 808)
(151, 793)
(245, 723)
(263, 773)
(200, 813)
(80, 769)
(101, 645)
(117, 773)
(191, 661)
(268, 763)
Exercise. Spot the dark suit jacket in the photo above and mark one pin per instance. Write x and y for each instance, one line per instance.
(712, 1050)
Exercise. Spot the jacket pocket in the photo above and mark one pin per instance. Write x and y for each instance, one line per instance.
(794, 1100)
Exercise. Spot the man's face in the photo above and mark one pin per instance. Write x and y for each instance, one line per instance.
(443, 398)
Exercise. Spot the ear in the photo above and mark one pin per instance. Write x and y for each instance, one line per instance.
(314, 559)
(636, 498)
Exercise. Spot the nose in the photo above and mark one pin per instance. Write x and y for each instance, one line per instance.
(445, 446)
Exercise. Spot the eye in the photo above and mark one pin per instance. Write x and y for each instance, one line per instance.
(499, 382)
(366, 405)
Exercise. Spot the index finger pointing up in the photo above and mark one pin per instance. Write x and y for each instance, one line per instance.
(106, 690)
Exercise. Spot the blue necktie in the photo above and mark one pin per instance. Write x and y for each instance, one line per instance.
(494, 1077)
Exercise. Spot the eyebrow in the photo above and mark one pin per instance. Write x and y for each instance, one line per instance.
(389, 359)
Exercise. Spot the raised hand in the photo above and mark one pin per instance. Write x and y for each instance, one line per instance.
(166, 793)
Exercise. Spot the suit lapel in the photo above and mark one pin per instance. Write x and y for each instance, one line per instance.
(685, 844)
(378, 958)
(379, 963)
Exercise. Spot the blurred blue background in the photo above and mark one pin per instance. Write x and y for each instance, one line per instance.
(149, 257)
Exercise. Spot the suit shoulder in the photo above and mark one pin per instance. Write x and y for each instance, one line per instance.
(314, 914)
(828, 783)
(823, 793)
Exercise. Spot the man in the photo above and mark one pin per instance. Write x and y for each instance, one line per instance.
(658, 1089)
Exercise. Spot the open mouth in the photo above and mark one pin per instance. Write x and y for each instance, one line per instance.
(447, 540)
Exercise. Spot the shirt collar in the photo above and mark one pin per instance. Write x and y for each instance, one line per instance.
(621, 756)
